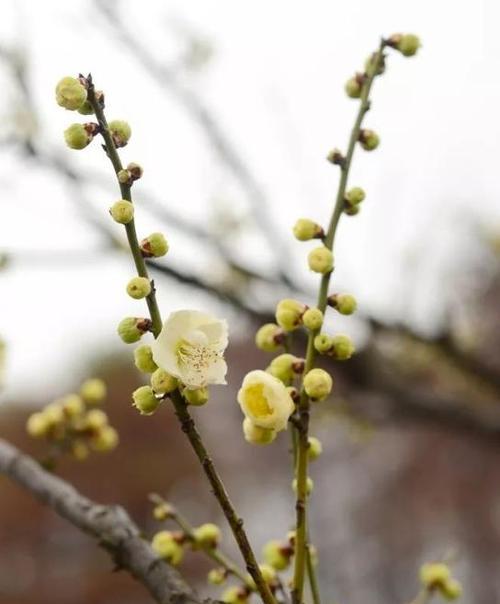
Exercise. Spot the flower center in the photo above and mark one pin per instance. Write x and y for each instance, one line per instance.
(195, 354)
(256, 402)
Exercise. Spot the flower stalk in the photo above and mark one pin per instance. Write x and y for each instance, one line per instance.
(301, 546)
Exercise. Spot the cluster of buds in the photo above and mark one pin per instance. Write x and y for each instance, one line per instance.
(436, 578)
(74, 423)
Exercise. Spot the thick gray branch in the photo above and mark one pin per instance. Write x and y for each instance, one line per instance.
(110, 525)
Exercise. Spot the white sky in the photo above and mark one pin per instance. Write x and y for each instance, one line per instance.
(276, 84)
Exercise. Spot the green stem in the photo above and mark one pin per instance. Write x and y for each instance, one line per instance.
(304, 404)
(313, 579)
(187, 422)
(235, 522)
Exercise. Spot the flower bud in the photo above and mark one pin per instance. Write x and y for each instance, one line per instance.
(235, 595)
(162, 511)
(207, 535)
(315, 448)
(342, 347)
(270, 337)
(154, 246)
(289, 314)
(285, 367)
(256, 435)
(336, 157)
(320, 260)
(124, 177)
(122, 211)
(407, 44)
(135, 170)
(305, 230)
(345, 304)
(37, 425)
(313, 319)
(131, 329)
(451, 590)
(323, 343)
(196, 397)
(70, 93)
(355, 196)
(86, 109)
(95, 419)
(93, 391)
(434, 575)
(166, 546)
(369, 140)
(120, 132)
(277, 554)
(72, 405)
(53, 414)
(317, 384)
(309, 486)
(105, 440)
(217, 576)
(77, 136)
(353, 86)
(352, 210)
(139, 287)
(143, 358)
(145, 400)
(162, 382)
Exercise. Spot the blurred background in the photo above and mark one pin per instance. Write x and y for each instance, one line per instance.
(233, 108)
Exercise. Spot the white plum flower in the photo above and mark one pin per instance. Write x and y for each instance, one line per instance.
(191, 347)
(265, 401)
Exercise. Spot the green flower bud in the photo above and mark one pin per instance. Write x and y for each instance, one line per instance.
(355, 195)
(342, 347)
(256, 435)
(285, 367)
(131, 329)
(309, 486)
(77, 136)
(317, 384)
(122, 211)
(451, 590)
(196, 397)
(72, 405)
(162, 511)
(323, 343)
(154, 246)
(167, 547)
(70, 93)
(370, 65)
(352, 210)
(53, 414)
(235, 595)
(434, 575)
(124, 177)
(162, 382)
(105, 440)
(139, 287)
(135, 170)
(95, 419)
(315, 448)
(207, 535)
(407, 44)
(37, 425)
(289, 314)
(369, 140)
(217, 576)
(120, 132)
(86, 109)
(305, 230)
(145, 400)
(277, 554)
(320, 260)
(345, 304)
(93, 391)
(336, 157)
(313, 319)
(143, 359)
(270, 337)
(353, 87)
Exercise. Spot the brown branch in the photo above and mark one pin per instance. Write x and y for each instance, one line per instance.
(110, 525)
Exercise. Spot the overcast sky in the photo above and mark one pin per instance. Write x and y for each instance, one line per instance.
(275, 83)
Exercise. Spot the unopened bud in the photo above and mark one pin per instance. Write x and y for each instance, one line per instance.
(320, 260)
(336, 157)
(122, 211)
(143, 358)
(139, 287)
(196, 397)
(369, 140)
(162, 382)
(77, 136)
(131, 329)
(120, 132)
(155, 245)
(313, 319)
(270, 337)
(305, 230)
(317, 384)
(70, 93)
(345, 304)
(145, 400)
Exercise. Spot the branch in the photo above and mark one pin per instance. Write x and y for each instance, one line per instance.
(109, 525)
